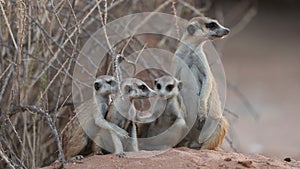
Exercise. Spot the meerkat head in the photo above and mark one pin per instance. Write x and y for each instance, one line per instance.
(105, 85)
(167, 86)
(136, 89)
(203, 28)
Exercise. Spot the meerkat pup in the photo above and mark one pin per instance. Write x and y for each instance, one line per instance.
(200, 30)
(91, 115)
(171, 115)
(124, 113)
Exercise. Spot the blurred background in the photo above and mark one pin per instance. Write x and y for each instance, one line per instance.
(260, 56)
(263, 62)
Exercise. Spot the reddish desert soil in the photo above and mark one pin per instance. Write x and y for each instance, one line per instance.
(181, 158)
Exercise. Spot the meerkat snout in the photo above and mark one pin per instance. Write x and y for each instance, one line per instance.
(207, 28)
(221, 32)
(137, 89)
(105, 84)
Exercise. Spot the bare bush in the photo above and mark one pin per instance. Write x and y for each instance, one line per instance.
(39, 44)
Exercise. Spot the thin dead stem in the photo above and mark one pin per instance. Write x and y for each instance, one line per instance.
(8, 26)
(21, 35)
(175, 18)
(6, 159)
(41, 112)
(160, 7)
(52, 80)
(196, 11)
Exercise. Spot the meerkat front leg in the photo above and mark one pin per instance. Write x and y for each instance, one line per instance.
(108, 140)
(101, 122)
(133, 132)
(203, 74)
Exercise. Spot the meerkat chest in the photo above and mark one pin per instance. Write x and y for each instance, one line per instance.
(189, 60)
(171, 110)
(103, 109)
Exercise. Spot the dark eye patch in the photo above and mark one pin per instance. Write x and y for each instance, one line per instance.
(128, 89)
(109, 82)
(143, 87)
(97, 86)
(211, 25)
(158, 86)
(169, 88)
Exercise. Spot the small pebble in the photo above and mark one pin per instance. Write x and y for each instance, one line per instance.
(227, 159)
(247, 164)
(288, 159)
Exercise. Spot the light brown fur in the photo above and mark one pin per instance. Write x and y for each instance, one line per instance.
(91, 114)
(211, 126)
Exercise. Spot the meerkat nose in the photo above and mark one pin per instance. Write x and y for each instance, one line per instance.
(226, 31)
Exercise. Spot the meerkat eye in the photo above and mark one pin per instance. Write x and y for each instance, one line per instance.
(211, 25)
(142, 87)
(169, 87)
(158, 86)
(109, 82)
(97, 86)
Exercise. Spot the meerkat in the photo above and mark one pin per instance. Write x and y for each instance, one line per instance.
(171, 116)
(92, 117)
(124, 115)
(200, 30)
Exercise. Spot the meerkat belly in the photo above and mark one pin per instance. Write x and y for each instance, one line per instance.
(163, 122)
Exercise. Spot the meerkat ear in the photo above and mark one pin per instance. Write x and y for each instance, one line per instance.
(180, 85)
(97, 86)
(191, 29)
(155, 81)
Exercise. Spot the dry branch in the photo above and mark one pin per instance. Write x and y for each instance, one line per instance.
(40, 43)
(6, 159)
(41, 112)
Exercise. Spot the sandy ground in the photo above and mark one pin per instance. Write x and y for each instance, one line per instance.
(181, 158)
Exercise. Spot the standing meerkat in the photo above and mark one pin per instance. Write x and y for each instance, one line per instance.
(92, 117)
(171, 110)
(198, 31)
(124, 113)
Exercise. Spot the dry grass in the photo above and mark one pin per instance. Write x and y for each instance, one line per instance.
(39, 43)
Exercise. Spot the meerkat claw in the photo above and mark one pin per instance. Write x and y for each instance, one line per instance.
(76, 158)
(123, 133)
(121, 155)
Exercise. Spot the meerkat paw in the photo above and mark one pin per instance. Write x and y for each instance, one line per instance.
(122, 133)
(98, 153)
(218, 149)
(76, 158)
(121, 155)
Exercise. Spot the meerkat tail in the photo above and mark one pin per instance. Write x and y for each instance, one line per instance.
(216, 139)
